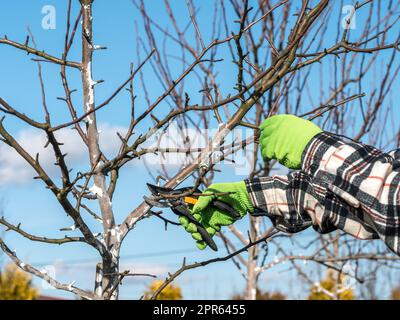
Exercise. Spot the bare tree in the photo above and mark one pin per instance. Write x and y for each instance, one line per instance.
(278, 49)
(350, 69)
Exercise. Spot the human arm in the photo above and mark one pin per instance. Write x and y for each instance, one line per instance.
(342, 185)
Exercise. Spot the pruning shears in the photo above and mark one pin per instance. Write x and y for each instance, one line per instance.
(181, 201)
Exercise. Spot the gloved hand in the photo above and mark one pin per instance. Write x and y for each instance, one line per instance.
(284, 138)
(212, 218)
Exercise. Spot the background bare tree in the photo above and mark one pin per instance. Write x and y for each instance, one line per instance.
(349, 70)
(260, 58)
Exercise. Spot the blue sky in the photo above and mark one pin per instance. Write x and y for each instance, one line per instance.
(23, 200)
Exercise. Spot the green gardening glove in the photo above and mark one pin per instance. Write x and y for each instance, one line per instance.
(212, 218)
(284, 138)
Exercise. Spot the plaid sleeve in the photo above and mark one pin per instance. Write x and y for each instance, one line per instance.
(343, 185)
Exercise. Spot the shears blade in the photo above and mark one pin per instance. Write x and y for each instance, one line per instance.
(180, 208)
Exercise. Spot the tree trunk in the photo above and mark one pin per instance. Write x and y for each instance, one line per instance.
(251, 283)
(106, 271)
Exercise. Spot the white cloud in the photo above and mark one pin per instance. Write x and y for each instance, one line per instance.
(15, 170)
